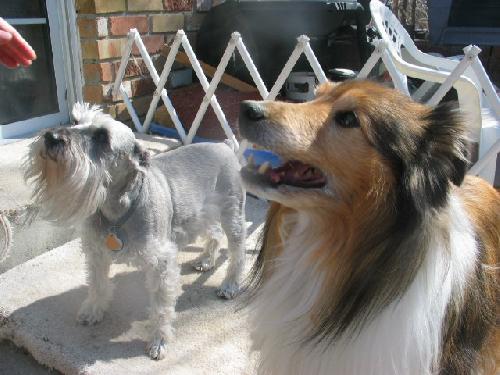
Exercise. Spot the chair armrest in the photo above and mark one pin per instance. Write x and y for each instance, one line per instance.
(429, 74)
(435, 61)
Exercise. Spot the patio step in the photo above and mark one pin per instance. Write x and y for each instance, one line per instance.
(40, 299)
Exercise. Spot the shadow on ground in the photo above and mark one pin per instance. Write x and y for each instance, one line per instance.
(123, 332)
(210, 333)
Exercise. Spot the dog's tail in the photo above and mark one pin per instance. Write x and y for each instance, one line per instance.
(84, 113)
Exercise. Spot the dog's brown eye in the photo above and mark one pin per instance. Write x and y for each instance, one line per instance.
(347, 119)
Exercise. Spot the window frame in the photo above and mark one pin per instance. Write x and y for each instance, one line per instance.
(57, 22)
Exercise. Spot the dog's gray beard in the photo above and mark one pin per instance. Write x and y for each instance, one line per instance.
(68, 190)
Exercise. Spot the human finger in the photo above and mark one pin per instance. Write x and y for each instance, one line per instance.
(23, 47)
(8, 61)
(4, 25)
(5, 37)
(21, 44)
(15, 54)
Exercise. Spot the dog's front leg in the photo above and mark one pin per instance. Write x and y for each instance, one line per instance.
(234, 226)
(99, 287)
(162, 277)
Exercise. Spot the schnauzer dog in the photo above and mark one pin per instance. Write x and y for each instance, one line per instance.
(138, 209)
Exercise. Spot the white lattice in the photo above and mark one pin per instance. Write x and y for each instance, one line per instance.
(303, 47)
(235, 44)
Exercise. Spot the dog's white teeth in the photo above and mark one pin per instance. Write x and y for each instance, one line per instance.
(264, 167)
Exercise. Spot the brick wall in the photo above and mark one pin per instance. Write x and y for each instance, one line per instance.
(103, 26)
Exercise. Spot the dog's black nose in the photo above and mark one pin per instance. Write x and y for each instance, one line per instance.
(252, 110)
(52, 139)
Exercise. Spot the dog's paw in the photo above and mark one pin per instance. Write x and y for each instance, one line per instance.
(90, 314)
(203, 265)
(157, 348)
(228, 289)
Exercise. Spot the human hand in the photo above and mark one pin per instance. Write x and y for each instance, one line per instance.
(14, 50)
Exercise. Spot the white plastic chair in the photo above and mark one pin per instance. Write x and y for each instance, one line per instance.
(403, 59)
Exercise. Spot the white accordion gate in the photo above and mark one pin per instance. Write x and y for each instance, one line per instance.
(235, 43)
(302, 47)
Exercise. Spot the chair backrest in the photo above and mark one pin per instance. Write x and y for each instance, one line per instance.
(397, 37)
(390, 28)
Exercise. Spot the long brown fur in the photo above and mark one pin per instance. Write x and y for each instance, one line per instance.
(482, 305)
(367, 194)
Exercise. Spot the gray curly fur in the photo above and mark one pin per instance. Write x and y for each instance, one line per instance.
(93, 173)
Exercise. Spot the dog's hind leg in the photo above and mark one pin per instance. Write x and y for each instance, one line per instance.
(206, 261)
(162, 280)
(233, 223)
(100, 288)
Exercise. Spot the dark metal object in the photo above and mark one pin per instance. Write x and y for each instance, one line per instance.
(270, 28)
(340, 74)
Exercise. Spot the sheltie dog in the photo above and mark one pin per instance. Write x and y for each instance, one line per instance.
(378, 256)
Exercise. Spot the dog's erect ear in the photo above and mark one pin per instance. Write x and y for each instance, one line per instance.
(84, 113)
(141, 155)
(441, 158)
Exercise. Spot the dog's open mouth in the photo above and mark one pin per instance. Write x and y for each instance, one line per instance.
(291, 173)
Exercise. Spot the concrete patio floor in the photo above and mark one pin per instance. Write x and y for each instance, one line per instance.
(39, 300)
(41, 291)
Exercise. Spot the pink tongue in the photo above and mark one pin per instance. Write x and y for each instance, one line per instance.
(293, 172)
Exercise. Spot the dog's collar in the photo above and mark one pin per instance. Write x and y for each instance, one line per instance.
(122, 220)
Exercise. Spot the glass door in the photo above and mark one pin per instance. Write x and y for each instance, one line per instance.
(34, 98)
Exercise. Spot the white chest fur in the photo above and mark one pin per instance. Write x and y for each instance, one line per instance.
(405, 338)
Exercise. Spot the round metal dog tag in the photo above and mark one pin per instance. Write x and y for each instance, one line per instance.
(113, 242)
